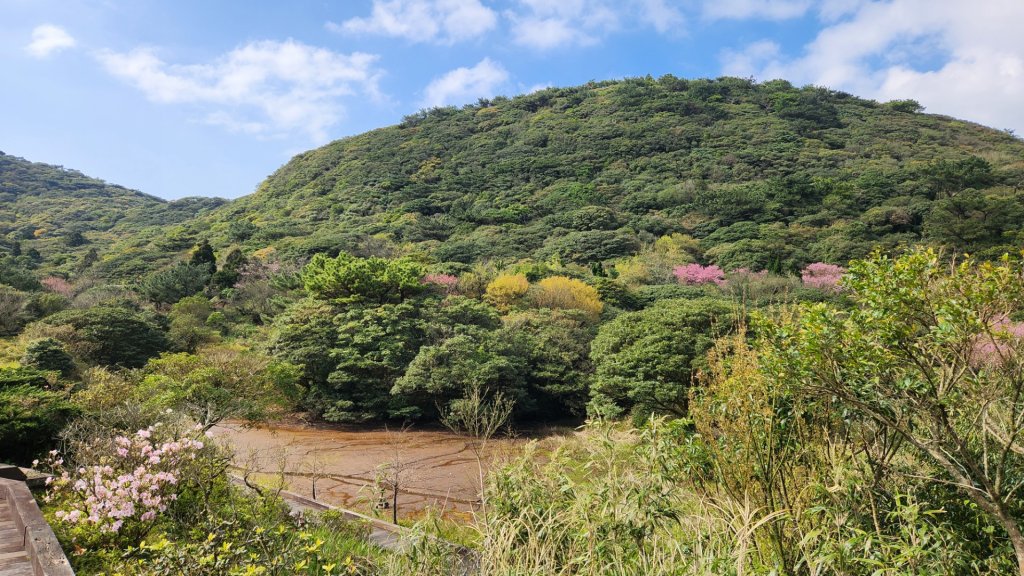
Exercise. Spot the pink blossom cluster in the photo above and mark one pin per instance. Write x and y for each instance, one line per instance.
(1005, 336)
(697, 274)
(748, 275)
(445, 282)
(823, 276)
(136, 485)
(57, 285)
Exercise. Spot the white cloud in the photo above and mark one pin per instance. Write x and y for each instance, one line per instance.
(831, 10)
(660, 14)
(957, 58)
(463, 85)
(760, 9)
(48, 39)
(547, 24)
(266, 88)
(446, 21)
(534, 87)
(745, 62)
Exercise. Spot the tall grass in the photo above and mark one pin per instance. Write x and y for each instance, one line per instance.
(616, 501)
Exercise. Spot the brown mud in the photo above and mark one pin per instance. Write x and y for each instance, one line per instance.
(438, 469)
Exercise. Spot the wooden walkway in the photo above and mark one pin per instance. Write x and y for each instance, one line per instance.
(28, 546)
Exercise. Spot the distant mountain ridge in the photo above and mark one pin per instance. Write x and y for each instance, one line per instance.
(63, 213)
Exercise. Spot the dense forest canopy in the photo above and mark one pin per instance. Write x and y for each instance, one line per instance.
(763, 175)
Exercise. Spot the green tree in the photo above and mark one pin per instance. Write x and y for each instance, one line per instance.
(15, 273)
(188, 329)
(554, 345)
(348, 279)
(168, 286)
(74, 238)
(929, 351)
(304, 335)
(30, 420)
(220, 383)
(372, 350)
(230, 271)
(645, 362)
(13, 310)
(48, 354)
(479, 360)
(203, 257)
(106, 335)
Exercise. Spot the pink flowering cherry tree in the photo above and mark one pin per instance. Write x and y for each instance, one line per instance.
(747, 275)
(696, 274)
(58, 285)
(447, 283)
(822, 276)
(125, 492)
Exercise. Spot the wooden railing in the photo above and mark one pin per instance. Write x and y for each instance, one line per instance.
(41, 545)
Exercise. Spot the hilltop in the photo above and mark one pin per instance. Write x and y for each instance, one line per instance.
(762, 175)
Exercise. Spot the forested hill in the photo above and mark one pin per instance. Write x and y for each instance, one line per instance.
(763, 175)
(61, 216)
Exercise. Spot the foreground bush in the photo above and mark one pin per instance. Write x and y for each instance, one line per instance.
(159, 502)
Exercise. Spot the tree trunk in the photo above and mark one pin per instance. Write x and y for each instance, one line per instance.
(1009, 524)
(1017, 539)
(394, 510)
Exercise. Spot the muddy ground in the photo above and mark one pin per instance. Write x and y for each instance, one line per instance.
(435, 468)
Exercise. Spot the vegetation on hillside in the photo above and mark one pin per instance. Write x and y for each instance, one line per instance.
(764, 176)
(667, 260)
(65, 222)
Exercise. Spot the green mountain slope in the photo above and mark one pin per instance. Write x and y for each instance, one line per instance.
(761, 175)
(764, 175)
(63, 214)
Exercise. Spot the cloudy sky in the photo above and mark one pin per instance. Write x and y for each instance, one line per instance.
(191, 97)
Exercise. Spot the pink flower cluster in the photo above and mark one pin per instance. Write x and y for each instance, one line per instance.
(57, 285)
(697, 274)
(993, 348)
(445, 282)
(823, 276)
(136, 485)
(748, 275)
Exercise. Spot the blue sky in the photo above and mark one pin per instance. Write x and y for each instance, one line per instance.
(206, 98)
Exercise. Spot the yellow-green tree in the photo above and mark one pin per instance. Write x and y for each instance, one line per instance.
(506, 290)
(560, 292)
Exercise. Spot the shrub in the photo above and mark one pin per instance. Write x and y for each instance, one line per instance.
(58, 285)
(127, 491)
(446, 283)
(219, 383)
(49, 354)
(106, 335)
(30, 419)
